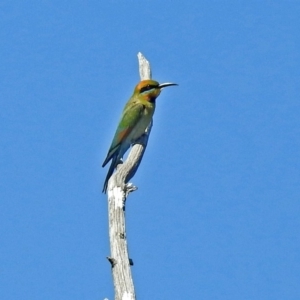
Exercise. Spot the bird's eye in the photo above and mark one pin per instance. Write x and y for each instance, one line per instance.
(148, 87)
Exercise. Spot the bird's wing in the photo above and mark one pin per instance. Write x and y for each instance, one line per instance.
(131, 116)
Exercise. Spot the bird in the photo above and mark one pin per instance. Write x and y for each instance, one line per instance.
(136, 117)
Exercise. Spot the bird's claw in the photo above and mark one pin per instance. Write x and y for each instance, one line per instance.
(129, 188)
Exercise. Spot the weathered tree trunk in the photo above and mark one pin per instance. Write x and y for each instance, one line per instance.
(117, 192)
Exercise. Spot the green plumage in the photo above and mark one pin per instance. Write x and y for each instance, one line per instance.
(136, 117)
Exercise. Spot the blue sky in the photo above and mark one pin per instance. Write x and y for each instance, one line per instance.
(217, 213)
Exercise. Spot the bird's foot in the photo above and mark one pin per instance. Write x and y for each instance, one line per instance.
(129, 188)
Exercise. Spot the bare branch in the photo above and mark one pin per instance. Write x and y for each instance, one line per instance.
(144, 67)
(117, 191)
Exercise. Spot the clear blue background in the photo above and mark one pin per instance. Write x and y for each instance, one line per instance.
(217, 213)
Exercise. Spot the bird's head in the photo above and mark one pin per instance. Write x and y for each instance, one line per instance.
(150, 89)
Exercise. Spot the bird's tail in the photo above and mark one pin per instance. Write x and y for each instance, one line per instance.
(109, 173)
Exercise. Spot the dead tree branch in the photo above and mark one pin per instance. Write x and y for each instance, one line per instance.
(117, 191)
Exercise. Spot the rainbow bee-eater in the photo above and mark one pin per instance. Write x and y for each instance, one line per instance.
(136, 117)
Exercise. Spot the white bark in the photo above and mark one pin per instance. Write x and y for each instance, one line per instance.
(117, 191)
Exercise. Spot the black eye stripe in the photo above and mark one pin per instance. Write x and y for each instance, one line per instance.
(147, 88)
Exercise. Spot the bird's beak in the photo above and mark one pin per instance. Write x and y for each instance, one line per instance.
(163, 85)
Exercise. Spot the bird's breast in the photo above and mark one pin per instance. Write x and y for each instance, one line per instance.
(143, 123)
